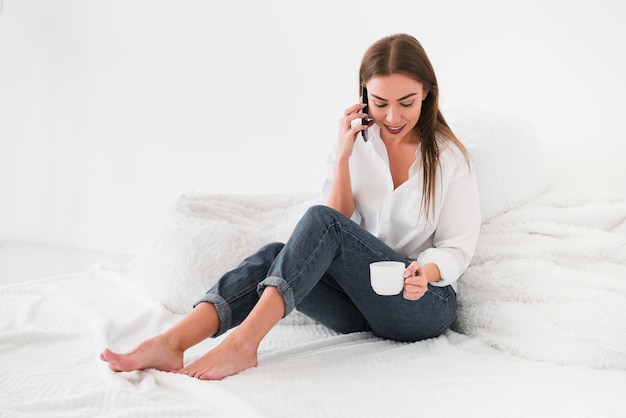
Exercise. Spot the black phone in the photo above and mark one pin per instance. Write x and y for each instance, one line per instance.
(368, 119)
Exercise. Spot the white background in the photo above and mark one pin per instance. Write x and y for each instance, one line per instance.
(111, 109)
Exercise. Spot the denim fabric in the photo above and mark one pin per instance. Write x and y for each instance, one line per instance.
(323, 271)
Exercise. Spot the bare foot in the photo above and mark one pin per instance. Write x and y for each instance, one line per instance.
(153, 353)
(226, 359)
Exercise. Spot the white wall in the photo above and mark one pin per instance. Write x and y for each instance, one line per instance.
(111, 109)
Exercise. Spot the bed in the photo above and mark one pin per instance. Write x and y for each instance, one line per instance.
(540, 330)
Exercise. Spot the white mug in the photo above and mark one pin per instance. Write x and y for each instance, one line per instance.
(387, 277)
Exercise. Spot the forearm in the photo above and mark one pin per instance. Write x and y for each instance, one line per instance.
(340, 197)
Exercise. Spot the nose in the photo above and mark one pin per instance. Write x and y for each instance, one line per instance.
(393, 116)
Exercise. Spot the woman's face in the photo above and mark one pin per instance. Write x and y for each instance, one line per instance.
(395, 104)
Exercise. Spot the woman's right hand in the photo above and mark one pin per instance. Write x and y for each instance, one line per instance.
(349, 130)
(340, 197)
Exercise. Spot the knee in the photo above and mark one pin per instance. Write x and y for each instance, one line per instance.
(316, 210)
(320, 213)
(271, 250)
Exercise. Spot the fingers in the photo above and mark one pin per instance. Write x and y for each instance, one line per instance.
(354, 109)
(349, 126)
(350, 116)
(414, 291)
(412, 269)
(415, 282)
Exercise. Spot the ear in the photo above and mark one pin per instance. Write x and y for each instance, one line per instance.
(424, 93)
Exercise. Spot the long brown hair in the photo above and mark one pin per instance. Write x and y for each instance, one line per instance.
(402, 53)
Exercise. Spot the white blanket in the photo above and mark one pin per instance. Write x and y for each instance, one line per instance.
(548, 281)
(547, 284)
(52, 330)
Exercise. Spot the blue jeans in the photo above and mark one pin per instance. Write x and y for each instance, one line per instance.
(323, 271)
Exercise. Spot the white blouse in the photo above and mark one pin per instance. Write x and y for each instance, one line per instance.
(448, 239)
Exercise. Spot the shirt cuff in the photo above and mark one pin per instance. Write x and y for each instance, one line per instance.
(448, 267)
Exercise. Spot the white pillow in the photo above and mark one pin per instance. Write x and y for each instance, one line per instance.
(204, 236)
(509, 160)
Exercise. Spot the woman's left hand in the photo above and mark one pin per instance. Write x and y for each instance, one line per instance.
(415, 281)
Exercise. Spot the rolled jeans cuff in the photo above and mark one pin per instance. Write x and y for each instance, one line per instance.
(283, 288)
(223, 311)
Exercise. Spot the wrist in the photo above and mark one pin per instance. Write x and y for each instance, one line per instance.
(342, 160)
(432, 272)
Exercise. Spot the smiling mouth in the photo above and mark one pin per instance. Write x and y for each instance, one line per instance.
(394, 130)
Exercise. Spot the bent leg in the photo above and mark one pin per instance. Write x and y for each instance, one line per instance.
(239, 349)
(327, 245)
(328, 304)
(235, 294)
(327, 242)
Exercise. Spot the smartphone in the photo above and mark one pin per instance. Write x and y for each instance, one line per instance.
(366, 120)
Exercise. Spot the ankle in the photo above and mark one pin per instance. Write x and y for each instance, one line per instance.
(242, 343)
(169, 341)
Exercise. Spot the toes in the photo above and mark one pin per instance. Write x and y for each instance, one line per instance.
(187, 371)
(200, 375)
(117, 363)
(108, 355)
(208, 376)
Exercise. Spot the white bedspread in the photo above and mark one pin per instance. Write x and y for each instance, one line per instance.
(52, 330)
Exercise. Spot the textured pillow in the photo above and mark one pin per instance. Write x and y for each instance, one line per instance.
(548, 281)
(204, 236)
(509, 160)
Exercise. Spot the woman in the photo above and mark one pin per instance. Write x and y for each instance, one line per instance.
(407, 194)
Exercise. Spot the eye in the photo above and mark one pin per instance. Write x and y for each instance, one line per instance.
(407, 104)
(380, 104)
